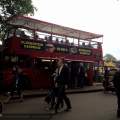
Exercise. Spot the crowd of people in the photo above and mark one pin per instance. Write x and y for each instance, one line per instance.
(61, 74)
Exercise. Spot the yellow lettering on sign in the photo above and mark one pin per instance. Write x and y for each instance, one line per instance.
(23, 42)
(109, 64)
(84, 52)
(58, 48)
(31, 45)
(62, 49)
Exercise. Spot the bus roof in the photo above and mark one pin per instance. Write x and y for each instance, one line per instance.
(18, 20)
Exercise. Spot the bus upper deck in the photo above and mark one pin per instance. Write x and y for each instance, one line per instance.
(28, 35)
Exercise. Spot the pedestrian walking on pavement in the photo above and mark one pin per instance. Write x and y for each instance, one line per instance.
(116, 82)
(62, 84)
(15, 84)
(54, 94)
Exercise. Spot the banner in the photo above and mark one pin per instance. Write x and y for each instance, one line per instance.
(54, 47)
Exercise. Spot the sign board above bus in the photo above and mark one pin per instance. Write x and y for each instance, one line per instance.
(55, 48)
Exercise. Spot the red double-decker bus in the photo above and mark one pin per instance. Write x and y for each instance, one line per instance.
(33, 45)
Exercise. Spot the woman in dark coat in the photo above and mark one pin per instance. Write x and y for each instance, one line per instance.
(54, 93)
(15, 84)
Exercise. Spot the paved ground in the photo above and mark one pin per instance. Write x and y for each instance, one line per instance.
(44, 92)
(87, 106)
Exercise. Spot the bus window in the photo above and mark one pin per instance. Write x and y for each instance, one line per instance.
(46, 63)
(6, 35)
(38, 62)
(75, 42)
(58, 39)
(55, 39)
(95, 45)
(11, 32)
(21, 32)
(43, 36)
(11, 61)
(71, 41)
(62, 39)
(84, 43)
(28, 62)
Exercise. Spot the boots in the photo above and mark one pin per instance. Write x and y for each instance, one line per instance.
(7, 101)
(21, 98)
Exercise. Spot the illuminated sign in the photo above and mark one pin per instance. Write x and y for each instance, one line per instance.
(110, 64)
(55, 48)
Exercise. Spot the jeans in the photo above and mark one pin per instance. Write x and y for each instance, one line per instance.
(81, 82)
(61, 94)
(55, 94)
(53, 98)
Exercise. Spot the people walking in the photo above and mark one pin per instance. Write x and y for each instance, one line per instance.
(62, 84)
(15, 84)
(54, 94)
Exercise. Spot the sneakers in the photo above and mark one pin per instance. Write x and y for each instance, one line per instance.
(7, 101)
(50, 108)
(68, 108)
(21, 98)
(54, 112)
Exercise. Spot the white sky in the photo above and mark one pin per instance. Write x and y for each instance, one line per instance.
(97, 16)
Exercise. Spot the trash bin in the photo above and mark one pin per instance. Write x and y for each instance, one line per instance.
(101, 78)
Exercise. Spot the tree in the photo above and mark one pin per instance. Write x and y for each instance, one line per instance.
(109, 57)
(11, 7)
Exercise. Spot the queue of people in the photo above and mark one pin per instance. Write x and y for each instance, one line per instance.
(78, 75)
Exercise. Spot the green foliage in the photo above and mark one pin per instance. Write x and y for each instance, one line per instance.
(109, 57)
(11, 7)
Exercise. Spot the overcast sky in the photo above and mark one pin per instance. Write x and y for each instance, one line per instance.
(97, 16)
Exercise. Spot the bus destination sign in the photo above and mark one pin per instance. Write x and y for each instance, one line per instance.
(54, 47)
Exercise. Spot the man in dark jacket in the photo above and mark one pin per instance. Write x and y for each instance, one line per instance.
(116, 81)
(105, 82)
(62, 84)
